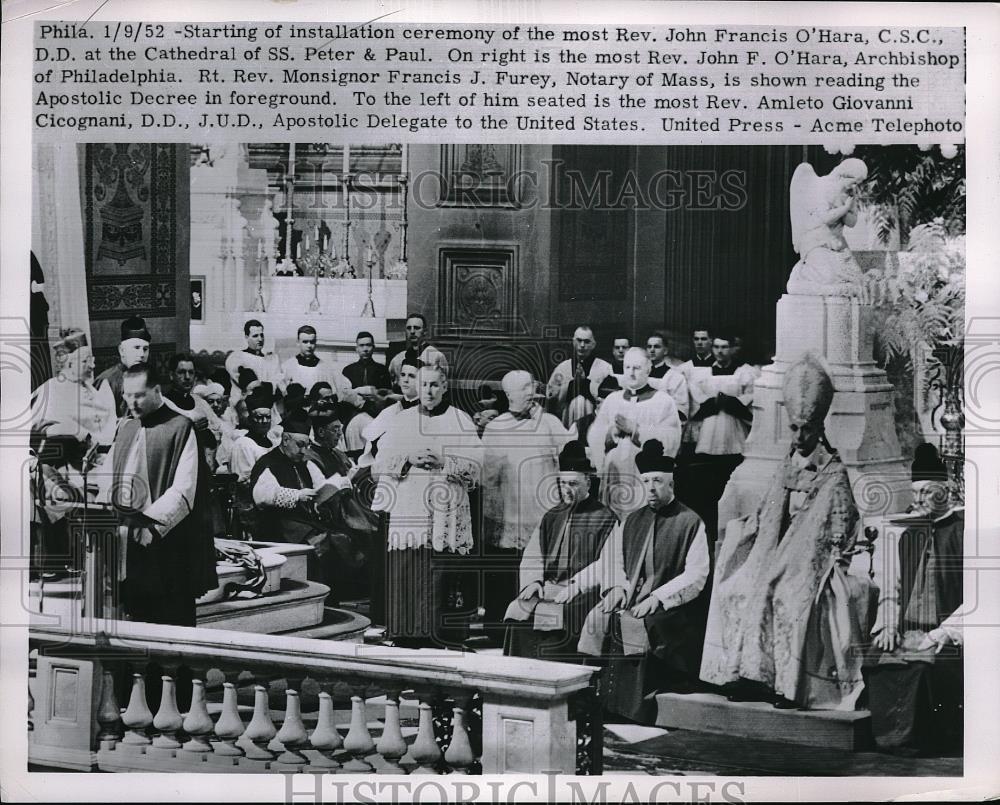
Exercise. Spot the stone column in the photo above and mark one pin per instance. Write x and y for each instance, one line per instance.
(860, 424)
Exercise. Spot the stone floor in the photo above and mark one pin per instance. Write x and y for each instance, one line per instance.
(637, 750)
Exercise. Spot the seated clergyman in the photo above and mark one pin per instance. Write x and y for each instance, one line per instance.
(559, 566)
(915, 676)
(286, 488)
(787, 621)
(650, 624)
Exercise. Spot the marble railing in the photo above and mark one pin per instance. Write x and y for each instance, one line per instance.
(474, 713)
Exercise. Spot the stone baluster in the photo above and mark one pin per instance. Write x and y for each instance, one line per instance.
(358, 741)
(108, 713)
(292, 735)
(425, 750)
(260, 730)
(391, 745)
(228, 729)
(168, 720)
(325, 740)
(459, 754)
(137, 717)
(197, 723)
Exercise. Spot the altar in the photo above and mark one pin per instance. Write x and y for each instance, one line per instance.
(292, 234)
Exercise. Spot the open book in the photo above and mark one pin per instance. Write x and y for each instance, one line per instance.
(331, 486)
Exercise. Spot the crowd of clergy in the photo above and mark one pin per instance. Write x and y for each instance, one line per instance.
(570, 518)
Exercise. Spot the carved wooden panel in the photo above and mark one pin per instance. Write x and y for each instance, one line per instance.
(480, 175)
(477, 288)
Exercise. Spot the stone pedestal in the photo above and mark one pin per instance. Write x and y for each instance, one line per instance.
(860, 423)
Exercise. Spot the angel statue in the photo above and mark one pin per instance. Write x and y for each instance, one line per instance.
(820, 207)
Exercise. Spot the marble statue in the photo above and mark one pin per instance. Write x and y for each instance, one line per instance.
(820, 207)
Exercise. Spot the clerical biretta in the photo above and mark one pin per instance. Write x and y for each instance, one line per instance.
(285, 486)
(559, 567)
(650, 624)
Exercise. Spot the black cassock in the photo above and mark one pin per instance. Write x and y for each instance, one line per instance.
(570, 539)
(675, 635)
(916, 697)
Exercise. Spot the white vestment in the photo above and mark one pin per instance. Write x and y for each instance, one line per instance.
(654, 414)
(428, 507)
(520, 469)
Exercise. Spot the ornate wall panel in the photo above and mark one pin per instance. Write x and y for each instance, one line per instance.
(477, 287)
(136, 241)
(480, 175)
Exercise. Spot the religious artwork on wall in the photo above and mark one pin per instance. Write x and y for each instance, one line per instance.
(480, 175)
(135, 229)
(477, 287)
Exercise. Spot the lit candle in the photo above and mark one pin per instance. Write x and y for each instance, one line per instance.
(298, 250)
(307, 244)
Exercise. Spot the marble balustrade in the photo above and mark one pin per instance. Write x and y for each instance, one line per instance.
(90, 709)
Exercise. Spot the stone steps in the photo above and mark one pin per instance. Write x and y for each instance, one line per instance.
(709, 712)
(299, 605)
(337, 624)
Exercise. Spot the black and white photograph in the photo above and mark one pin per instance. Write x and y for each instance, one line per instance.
(624, 462)
(683, 420)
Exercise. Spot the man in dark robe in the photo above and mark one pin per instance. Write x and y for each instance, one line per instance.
(169, 553)
(177, 394)
(915, 679)
(285, 485)
(650, 625)
(367, 376)
(133, 349)
(354, 527)
(619, 346)
(559, 558)
(701, 340)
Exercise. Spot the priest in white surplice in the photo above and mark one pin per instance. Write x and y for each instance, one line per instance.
(520, 483)
(626, 420)
(430, 457)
